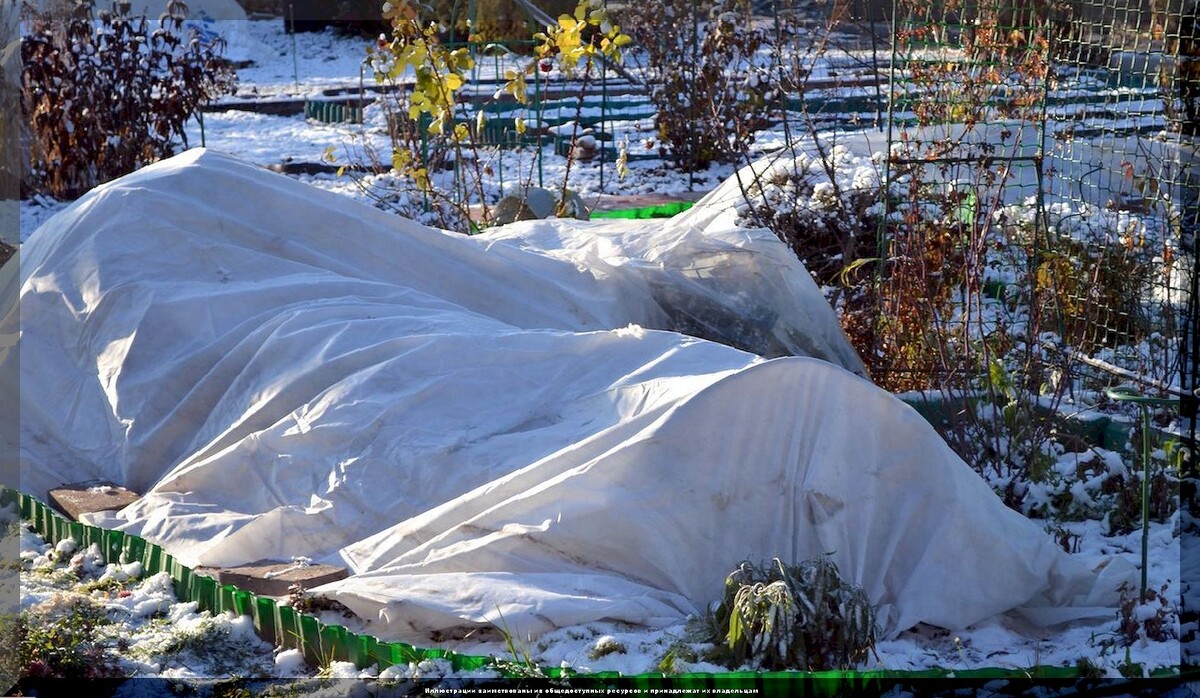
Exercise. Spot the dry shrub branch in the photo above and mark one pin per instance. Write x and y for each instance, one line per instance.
(105, 93)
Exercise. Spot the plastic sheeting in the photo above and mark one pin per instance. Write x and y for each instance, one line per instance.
(486, 427)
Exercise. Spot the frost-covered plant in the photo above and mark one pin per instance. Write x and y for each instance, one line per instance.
(1073, 485)
(1154, 617)
(60, 640)
(803, 616)
(699, 65)
(824, 206)
(606, 645)
(519, 662)
(107, 93)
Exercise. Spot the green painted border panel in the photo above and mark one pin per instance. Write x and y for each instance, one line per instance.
(666, 210)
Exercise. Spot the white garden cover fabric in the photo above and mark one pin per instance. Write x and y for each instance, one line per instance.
(483, 426)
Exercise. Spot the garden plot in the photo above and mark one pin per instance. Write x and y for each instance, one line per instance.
(990, 641)
(565, 419)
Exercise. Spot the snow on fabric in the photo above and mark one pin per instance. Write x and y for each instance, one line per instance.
(480, 426)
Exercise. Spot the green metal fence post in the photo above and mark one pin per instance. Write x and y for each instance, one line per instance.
(603, 117)
(537, 110)
(1144, 403)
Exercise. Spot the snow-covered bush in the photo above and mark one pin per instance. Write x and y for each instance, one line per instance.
(105, 94)
(1094, 267)
(986, 312)
(1155, 617)
(826, 207)
(699, 67)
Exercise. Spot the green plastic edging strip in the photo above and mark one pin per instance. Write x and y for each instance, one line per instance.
(666, 210)
(333, 112)
(283, 626)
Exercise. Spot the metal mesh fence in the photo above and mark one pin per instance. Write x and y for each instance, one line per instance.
(1119, 138)
(966, 125)
(1055, 141)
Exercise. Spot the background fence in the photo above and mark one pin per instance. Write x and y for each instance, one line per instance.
(1064, 132)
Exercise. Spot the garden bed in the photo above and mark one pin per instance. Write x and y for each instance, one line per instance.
(327, 648)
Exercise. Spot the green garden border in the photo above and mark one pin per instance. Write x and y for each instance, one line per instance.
(331, 111)
(667, 210)
(285, 627)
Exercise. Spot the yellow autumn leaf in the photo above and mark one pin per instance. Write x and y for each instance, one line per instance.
(421, 177)
(518, 89)
(400, 160)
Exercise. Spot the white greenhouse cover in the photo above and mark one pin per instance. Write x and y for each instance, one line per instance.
(485, 427)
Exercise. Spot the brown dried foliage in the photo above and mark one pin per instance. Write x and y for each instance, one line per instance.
(106, 93)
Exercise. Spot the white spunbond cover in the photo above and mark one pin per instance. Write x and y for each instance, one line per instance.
(481, 427)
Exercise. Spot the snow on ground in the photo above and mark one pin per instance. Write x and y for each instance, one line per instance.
(300, 63)
(146, 631)
(155, 626)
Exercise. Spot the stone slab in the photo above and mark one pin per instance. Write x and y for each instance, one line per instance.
(91, 496)
(273, 577)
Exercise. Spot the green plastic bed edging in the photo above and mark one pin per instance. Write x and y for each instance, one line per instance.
(666, 210)
(283, 626)
(333, 112)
